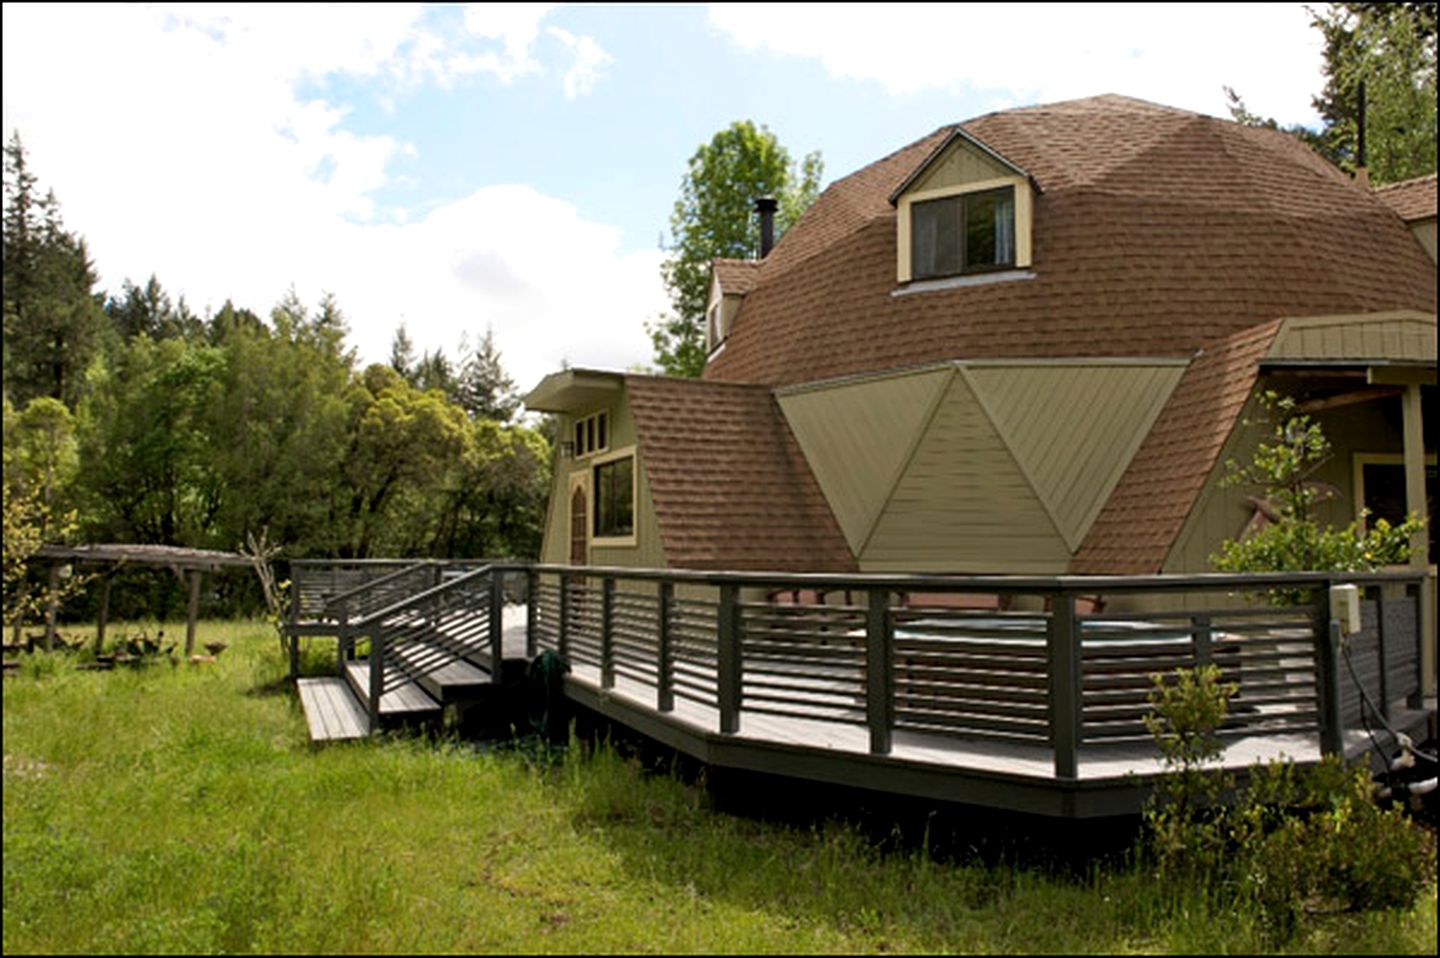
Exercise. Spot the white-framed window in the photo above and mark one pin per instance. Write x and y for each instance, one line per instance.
(1380, 488)
(613, 498)
(963, 233)
(592, 435)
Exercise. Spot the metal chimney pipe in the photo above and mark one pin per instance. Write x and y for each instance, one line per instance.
(1361, 172)
(765, 207)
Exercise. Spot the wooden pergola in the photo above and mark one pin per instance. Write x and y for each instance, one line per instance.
(186, 564)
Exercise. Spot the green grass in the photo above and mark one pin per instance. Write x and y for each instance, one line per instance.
(181, 809)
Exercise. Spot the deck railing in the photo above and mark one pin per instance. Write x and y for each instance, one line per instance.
(1030, 660)
(912, 655)
(460, 618)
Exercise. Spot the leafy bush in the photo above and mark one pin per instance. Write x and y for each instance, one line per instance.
(1294, 540)
(1293, 841)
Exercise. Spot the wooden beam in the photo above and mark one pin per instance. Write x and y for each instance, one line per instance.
(1355, 396)
(105, 581)
(52, 600)
(192, 612)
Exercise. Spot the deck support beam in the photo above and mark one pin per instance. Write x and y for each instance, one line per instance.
(192, 612)
(105, 583)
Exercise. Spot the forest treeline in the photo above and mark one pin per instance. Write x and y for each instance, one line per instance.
(130, 418)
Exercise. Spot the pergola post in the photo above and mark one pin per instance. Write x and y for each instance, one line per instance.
(104, 617)
(192, 611)
(52, 602)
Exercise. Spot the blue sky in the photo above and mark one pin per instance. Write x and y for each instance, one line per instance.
(514, 166)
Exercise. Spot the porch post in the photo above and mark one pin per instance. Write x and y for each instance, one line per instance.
(52, 601)
(105, 581)
(1414, 435)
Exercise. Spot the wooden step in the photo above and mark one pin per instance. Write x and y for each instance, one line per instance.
(331, 710)
(408, 702)
(455, 681)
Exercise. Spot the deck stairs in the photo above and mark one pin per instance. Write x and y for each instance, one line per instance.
(436, 648)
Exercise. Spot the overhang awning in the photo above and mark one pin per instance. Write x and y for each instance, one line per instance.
(574, 389)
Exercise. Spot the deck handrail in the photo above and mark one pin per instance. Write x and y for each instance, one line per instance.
(376, 583)
(421, 598)
(1095, 666)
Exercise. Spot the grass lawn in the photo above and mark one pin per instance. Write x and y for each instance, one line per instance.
(182, 809)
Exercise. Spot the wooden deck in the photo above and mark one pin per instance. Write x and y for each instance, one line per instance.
(1032, 711)
(332, 711)
(1113, 778)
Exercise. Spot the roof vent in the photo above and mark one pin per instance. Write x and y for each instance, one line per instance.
(765, 207)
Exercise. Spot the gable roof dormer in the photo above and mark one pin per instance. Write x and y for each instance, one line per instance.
(730, 280)
(964, 213)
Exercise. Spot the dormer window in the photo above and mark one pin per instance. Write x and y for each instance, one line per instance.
(963, 217)
(964, 233)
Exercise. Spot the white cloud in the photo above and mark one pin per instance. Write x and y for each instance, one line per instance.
(177, 145)
(589, 64)
(1176, 54)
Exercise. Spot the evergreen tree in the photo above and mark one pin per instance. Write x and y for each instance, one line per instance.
(1391, 49)
(52, 318)
(482, 388)
(402, 353)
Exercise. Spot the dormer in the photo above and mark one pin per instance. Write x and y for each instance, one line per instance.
(963, 216)
(730, 280)
(1414, 202)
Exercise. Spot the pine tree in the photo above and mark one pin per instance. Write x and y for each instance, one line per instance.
(52, 317)
(483, 389)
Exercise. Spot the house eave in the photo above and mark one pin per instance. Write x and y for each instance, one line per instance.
(574, 389)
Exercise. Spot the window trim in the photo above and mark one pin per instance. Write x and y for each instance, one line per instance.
(1024, 212)
(1360, 460)
(591, 428)
(597, 540)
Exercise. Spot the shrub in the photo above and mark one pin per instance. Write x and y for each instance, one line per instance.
(1292, 842)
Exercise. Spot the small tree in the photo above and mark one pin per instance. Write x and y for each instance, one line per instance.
(1295, 541)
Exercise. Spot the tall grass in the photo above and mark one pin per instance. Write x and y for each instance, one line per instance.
(181, 809)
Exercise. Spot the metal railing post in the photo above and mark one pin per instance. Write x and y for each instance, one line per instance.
(880, 671)
(607, 632)
(343, 648)
(377, 675)
(665, 668)
(1327, 672)
(1380, 656)
(562, 637)
(497, 624)
(532, 610)
(728, 663)
(1065, 685)
(1202, 636)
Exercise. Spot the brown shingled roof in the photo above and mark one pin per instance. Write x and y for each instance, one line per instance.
(736, 275)
(1155, 231)
(731, 488)
(1411, 199)
(1137, 527)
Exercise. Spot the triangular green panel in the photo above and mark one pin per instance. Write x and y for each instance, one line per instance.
(1073, 428)
(963, 504)
(857, 438)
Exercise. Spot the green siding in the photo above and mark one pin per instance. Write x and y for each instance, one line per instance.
(963, 504)
(960, 165)
(648, 551)
(1074, 428)
(858, 437)
(1405, 336)
(1221, 513)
